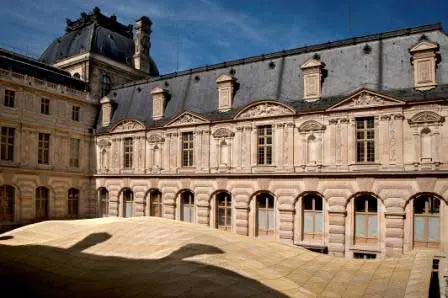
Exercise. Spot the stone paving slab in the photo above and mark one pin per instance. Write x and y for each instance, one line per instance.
(152, 257)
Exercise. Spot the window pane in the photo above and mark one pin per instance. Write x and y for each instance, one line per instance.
(318, 203)
(318, 222)
(308, 203)
(433, 229)
(419, 228)
(373, 205)
(373, 226)
(360, 229)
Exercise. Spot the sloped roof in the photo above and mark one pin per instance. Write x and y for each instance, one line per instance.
(385, 68)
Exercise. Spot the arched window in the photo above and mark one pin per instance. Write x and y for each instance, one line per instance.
(224, 211)
(265, 215)
(105, 84)
(187, 206)
(73, 202)
(426, 222)
(42, 203)
(155, 203)
(128, 203)
(425, 144)
(104, 202)
(313, 218)
(366, 220)
(6, 203)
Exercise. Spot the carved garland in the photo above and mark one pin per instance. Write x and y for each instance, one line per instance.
(265, 110)
(426, 117)
(223, 133)
(311, 125)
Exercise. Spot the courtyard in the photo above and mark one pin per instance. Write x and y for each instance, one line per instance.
(151, 257)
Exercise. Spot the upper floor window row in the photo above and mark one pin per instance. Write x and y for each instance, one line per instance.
(7, 143)
(10, 98)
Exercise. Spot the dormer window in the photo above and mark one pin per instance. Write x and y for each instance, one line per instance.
(312, 78)
(424, 61)
(106, 111)
(159, 98)
(225, 85)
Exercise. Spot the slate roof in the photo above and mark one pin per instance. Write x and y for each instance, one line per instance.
(98, 34)
(31, 67)
(386, 68)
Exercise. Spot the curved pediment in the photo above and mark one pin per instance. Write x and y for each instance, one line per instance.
(265, 109)
(128, 125)
(311, 125)
(155, 138)
(426, 117)
(223, 133)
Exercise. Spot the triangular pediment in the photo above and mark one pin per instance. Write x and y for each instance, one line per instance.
(424, 46)
(187, 118)
(311, 63)
(364, 99)
(265, 109)
(128, 125)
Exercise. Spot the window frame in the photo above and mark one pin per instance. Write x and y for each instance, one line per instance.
(75, 147)
(427, 215)
(227, 209)
(187, 149)
(43, 150)
(128, 152)
(76, 111)
(7, 203)
(312, 236)
(10, 98)
(73, 202)
(45, 106)
(7, 143)
(366, 238)
(264, 146)
(368, 151)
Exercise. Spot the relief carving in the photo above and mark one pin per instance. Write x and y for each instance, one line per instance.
(128, 125)
(103, 143)
(155, 139)
(186, 119)
(266, 109)
(426, 117)
(311, 125)
(223, 133)
(365, 99)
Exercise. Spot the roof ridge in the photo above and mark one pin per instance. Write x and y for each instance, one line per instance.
(300, 50)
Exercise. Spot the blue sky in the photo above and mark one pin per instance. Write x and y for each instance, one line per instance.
(213, 31)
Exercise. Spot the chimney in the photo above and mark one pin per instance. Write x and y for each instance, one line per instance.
(142, 43)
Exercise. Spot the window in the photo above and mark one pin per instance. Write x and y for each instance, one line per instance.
(128, 203)
(365, 140)
(224, 211)
(265, 145)
(75, 113)
(187, 149)
(187, 204)
(41, 203)
(426, 222)
(366, 220)
(265, 215)
(104, 202)
(6, 203)
(155, 208)
(43, 149)
(74, 153)
(45, 106)
(10, 97)
(105, 84)
(7, 143)
(128, 153)
(366, 256)
(73, 202)
(312, 217)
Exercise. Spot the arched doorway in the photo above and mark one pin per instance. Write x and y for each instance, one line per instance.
(265, 215)
(155, 203)
(366, 220)
(224, 211)
(426, 217)
(73, 202)
(313, 217)
(128, 203)
(187, 207)
(42, 203)
(103, 199)
(6, 203)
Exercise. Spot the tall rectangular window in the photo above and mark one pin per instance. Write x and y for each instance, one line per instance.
(187, 149)
(264, 145)
(10, 97)
(128, 153)
(7, 143)
(365, 139)
(75, 113)
(45, 106)
(43, 148)
(74, 153)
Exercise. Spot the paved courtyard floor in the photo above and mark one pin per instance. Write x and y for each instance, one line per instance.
(153, 257)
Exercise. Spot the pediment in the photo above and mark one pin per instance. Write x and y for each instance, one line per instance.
(187, 118)
(426, 117)
(223, 133)
(365, 99)
(224, 78)
(311, 63)
(265, 109)
(425, 45)
(127, 125)
(311, 125)
(155, 138)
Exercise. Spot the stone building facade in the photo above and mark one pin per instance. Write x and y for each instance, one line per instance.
(336, 147)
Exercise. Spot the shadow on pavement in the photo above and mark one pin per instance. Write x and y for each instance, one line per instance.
(37, 270)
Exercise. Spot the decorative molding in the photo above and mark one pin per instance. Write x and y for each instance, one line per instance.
(365, 99)
(223, 133)
(103, 143)
(265, 109)
(128, 125)
(187, 118)
(311, 125)
(154, 138)
(426, 117)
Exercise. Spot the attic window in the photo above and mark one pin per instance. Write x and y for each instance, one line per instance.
(424, 60)
(226, 86)
(312, 78)
(159, 99)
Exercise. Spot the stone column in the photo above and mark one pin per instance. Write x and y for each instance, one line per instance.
(113, 203)
(286, 229)
(242, 220)
(203, 217)
(169, 205)
(253, 146)
(394, 236)
(278, 143)
(344, 145)
(237, 151)
(336, 243)
(351, 142)
(289, 146)
(206, 150)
